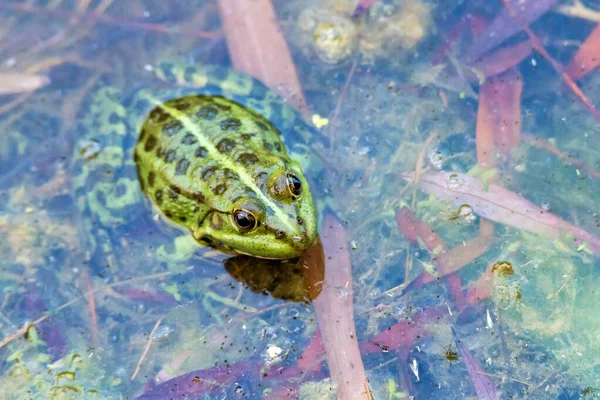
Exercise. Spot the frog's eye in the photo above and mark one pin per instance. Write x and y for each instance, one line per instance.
(244, 220)
(294, 184)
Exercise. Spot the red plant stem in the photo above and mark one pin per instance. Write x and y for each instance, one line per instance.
(484, 132)
(485, 146)
(412, 227)
(482, 287)
(335, 311)
(313, 354)
(539, 47)
(500, 115)
(503, 59)
(257, 47)
(587, 57)
(454, 259)
(482, 383)
(402, 335)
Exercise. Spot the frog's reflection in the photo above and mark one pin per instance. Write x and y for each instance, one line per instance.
(281, 279)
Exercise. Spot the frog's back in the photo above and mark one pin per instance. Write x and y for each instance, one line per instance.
(200, 152)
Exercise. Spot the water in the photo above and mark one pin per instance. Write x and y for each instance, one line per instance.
(436, 296)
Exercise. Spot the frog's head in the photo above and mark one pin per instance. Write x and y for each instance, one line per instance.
(277, 222)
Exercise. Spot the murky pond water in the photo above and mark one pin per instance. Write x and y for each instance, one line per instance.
(452, 153)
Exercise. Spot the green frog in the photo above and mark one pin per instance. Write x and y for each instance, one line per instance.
(205, 149)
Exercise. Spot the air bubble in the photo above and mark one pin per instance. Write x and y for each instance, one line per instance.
(453, 182)
(436, 159)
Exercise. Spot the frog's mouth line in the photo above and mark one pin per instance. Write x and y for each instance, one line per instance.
(297, 242)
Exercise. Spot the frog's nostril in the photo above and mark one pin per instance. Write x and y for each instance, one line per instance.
(279, 234)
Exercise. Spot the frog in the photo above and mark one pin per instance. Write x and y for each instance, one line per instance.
(204, 147)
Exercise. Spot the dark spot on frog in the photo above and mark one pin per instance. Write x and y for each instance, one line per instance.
(198, 197)
(151, 177)
(78, 167)
(167, 70)
(230, 175)
(201, 152)
(247, 158)
(100, 197)
(169, 156)
(182, 166)
(208, 172)
(207, 112)
(158, 196)
(247, 136)
(189, 139)
(278, 146)
(261, 126)
(261, 177)
(159, 152)
(168, 214)
(172, 127)
(120, 190)
(181, 105)
(222, 107)
(267, 146)
(221, 74)
(182, 218)
(159, 115)
(142, 135)
(150, 143)
(114, 118)
(188, 73)
(173, 192)
(219, 189)
(226, 145)
(141, 106)
(231, 124)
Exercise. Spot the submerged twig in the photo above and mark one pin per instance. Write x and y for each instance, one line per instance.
(146, 349)
(22, 331)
